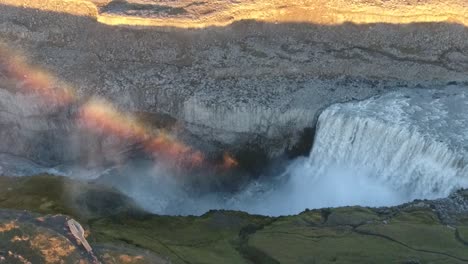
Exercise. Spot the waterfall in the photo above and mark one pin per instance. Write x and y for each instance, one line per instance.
(397, 155)
(382, 151)
(412, 142)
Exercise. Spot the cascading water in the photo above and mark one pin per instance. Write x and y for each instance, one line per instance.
(382, 151)
(412, 141)
(394, 154)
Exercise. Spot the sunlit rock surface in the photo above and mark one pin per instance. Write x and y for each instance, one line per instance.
(189, 14)
(32, 238)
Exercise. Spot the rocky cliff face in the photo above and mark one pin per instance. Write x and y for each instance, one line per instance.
(228, 81)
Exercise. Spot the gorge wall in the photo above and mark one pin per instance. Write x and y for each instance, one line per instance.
(231, 75)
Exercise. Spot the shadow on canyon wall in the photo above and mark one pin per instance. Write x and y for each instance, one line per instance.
(120, 6)
(269, 81)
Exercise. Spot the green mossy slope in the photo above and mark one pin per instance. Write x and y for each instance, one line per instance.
(405, 234)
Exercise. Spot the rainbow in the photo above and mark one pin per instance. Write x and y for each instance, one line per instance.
(100, 116)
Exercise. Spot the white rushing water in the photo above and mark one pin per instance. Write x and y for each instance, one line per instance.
(386, 150)
(414, 142)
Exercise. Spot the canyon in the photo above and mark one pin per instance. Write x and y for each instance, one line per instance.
(252, 84)
(214, 131)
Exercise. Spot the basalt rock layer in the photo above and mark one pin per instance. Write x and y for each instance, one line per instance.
(233, 75)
